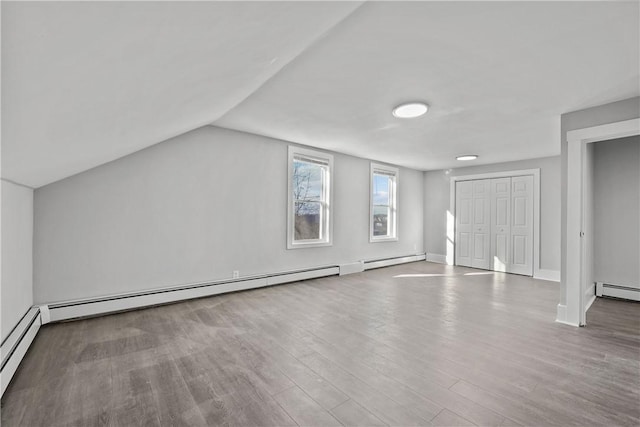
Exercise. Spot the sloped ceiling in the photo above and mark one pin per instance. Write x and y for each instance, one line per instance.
(86, 83)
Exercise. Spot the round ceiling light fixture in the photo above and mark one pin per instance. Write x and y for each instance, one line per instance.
(467, 157)
(410, 110)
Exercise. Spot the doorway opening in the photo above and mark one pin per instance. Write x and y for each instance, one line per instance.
(579, 238)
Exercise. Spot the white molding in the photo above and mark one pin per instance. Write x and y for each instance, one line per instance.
(599, 289)
(550, 275)
(378, 263)
(590, 296)
(132, 300)
(16, 345)
(45, 315)
(576, 147)
(451, 235)
(500, 174)
(351, 268)
(605, 132)
(561, 316)
(127, 301)
(303, 275)
(437, 258)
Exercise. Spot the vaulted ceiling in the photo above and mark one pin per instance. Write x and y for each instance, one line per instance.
(84, 83)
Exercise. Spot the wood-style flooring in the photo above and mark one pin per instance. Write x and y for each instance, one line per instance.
(416, 344)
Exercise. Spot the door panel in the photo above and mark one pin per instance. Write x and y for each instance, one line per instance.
(502, 212)
(464, 225)
(465, 212)
(479, 244)
(522, 225)
(464, 242)
(500, 223)
(479, 205)
(501, 253)
(519, 251)
(481, 224)
(520, 211)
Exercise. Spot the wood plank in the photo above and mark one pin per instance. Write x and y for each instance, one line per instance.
(304, 410)
(414, 344)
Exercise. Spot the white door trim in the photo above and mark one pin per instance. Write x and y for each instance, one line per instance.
(451, 220)
(574, 311)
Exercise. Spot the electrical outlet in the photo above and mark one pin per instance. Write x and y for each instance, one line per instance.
(236, 274)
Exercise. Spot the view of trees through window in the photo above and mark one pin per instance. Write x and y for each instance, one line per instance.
(381, 204)
(308, 195)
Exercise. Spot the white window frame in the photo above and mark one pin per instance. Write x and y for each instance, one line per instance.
(327, 200)
(392, 224)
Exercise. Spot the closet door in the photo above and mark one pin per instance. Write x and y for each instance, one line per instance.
(464, 225)
(481, 222)
(521, 251)
(500, 223)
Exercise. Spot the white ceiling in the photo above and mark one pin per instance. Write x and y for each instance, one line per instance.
(86, 83)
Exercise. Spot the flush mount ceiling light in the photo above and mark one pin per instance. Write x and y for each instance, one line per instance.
(467, 157)
(410, 110)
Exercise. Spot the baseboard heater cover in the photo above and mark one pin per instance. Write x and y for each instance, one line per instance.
(121, 302)
(617, 291)
(386, 262)
(16, 344)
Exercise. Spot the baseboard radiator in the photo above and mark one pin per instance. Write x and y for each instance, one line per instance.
(387, 262)
(121, 302)
(617, 291)
(16, 344)
(128, 301)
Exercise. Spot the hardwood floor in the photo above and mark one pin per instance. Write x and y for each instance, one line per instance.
(416, 344)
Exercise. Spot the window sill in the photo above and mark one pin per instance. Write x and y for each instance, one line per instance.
(308, 245)
(382, 239)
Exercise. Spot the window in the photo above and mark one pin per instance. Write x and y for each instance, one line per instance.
(383, 217)
(309, 208)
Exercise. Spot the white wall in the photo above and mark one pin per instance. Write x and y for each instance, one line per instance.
(195, 208)
(436, 186)
(17, 238)
(616, 181)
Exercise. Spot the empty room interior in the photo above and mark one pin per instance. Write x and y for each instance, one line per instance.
(349, 213)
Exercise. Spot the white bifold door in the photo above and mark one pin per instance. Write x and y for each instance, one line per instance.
(494, 224)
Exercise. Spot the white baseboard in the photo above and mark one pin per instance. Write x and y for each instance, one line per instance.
(353, 267)
(561, 316)
(437, 258)
(550, 275)
(378, 263)
(590, 296)
(15, 346)
(128, 301)
(617, 291)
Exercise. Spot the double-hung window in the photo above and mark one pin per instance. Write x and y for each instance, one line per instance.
(383, 222)
(309, 200)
